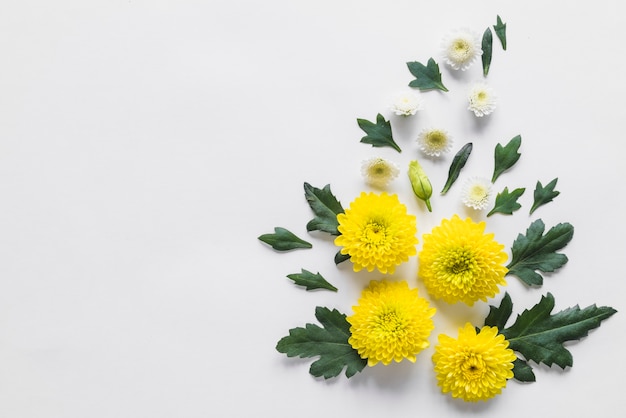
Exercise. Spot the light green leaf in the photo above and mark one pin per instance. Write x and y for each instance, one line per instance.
(379, 133)
(539, 336)
(330, 344)
(427, 77)
(420, 183)
(500, 29)
(458, 162)
(535, 251)
(311, 281)
(325, 206)
(507, 202)
(506, 157)
(543, 195)
(284, 240)
(487, 50)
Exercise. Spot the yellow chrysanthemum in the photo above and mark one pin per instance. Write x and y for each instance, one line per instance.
(391, 322)
(377, 232)
(473, 367)
(459, 262)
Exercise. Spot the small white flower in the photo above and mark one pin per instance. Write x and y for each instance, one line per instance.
(482, 99)
(476, 193)
(379, 172)
(406, 103)
(461, 48)
(434, 142)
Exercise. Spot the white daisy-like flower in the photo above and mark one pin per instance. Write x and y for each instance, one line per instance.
(434, 142)
(378, 172)
(461, 48)
(476, 192)
(406, 103)
(482, 99)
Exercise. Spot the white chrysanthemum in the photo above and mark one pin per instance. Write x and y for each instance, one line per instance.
(461, 48)
(482, 99)
(379, 172)
(434, 142)
(476, 193)
(406, 103)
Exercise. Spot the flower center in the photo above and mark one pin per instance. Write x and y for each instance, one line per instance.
(459, 265)
(461, 49)
(374, 233)
(478, 193)
(388, 322)
(473, 367)
(436, 139)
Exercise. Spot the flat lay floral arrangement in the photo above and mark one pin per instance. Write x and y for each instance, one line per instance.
(458, 261)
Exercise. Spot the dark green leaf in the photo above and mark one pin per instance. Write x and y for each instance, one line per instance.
(507, 202)
(506, 157)
(543, 195)
(498, 316)
(522, 371)
(379, 133)
(311, 281)
(325, 206)
(500, 29)
(535, 251)
(539, 336)
(427, 77)
(284, 240)
(330, 344)
(458, 162)
(340, 258)
(487, 47)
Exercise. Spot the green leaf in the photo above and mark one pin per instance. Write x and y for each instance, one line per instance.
(284, 240)
(487, 48)
(427, 77)
(535, 251)
(458, 162)
(500, 29)
(325, 206)
(330, 344)
(311, 281)
(420, 183)
(507, 202)
(543, 195)
(522, 371)
(340, 258)
(506, 157)
(498, 317)
(379, 133)
(539, 336)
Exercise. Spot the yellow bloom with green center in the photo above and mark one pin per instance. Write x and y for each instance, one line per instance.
(473, 367)
(390, 322)
(459, 262)
(377, 232)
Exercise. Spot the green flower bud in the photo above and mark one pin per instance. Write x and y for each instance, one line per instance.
(420, 183)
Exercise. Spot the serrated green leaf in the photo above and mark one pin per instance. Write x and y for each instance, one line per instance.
(507, 202)
(535, 251)
(500, 29)
(522, 371)
(487, 45)
(311, 281)
(427, 77)
(539, 336)
(340, 258)
(284, 240)
(506, 157)
(329, 343)
(420, 183)
(498, 317)
(543, 195)
(325, 206)
(458, 162)
(378, 134)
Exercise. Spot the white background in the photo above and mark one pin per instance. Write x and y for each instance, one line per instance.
(145, 145)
